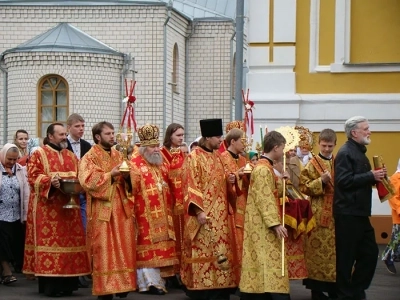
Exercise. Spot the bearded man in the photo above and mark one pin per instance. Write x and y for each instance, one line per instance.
(208, 254)
(55, 247)
(155, 252)
(356, 248)
(110, 231)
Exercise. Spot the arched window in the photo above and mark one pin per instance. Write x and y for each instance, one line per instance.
(53, 102)
(175, 69)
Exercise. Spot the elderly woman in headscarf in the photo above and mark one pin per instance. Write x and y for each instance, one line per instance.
(392, 252)
(14, 198)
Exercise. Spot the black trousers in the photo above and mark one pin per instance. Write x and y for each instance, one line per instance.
(214, 294)
(264, 296)
(355, 247)
(12, 239)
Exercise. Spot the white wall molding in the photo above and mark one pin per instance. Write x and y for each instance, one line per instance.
(272, 74)
(364, 68)
(342, 31)
(342, 63)
(258, 24)
(318, 111)
(314, 66)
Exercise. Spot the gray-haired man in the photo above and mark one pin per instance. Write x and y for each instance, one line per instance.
(355, 237)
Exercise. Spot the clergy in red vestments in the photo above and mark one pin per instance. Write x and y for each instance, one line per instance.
(111, 230)
(208, 253)
(55, 248)
(155, 252)
(174, 158)
(235, 162)
(233, 124)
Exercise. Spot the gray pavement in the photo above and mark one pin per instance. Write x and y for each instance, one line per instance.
(385, 286)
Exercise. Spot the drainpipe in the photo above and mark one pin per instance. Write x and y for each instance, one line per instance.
(165, 70)
(5, 101)
(232, 68)
(239, 59)
(124, 71)
(187, 60)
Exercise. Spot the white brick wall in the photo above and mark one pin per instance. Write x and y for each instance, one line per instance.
(95, 93)
(176, 34)
(209, 75)
(93, 79)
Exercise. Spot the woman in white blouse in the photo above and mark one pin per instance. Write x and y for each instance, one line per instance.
(14, 198)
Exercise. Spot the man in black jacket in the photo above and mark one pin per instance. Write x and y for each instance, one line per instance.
(355, 238)
(77, 145)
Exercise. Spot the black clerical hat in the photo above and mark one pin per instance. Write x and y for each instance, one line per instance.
(211, 127)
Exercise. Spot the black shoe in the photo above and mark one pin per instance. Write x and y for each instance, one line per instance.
(156, 291)
(332, 296)
(390, 267)
(173, 282)
(82, 283)
(317, 295)
(122, 295)
(17, 269)
(105, 297)
(49, 291)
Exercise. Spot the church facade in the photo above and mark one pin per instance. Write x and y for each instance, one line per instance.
(316, 63)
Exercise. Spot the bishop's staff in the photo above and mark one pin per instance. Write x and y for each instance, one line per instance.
(125, 135)
(292, 138)
(248, 128)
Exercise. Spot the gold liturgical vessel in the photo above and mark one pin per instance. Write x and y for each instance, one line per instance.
(124, 142)
(73, 188)
(248, 168)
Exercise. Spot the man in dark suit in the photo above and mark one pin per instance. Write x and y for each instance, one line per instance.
(76, 129)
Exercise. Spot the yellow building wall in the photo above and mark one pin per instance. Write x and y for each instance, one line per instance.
(382, 143)
(375, 34)
(373, 40)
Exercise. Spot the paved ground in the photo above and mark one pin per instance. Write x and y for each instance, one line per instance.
(384, 287)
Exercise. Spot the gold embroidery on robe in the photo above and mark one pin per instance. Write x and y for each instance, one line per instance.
(206, 187)
(55, 239)
(261, 261)
(110, 228)
(320, 244)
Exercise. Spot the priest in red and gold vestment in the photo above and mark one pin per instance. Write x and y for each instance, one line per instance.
(317, 182)
(208, 254)
(55, 246)
(155, 252)
(234, 162)
(110, 229)
(298, 222)
(261, 276)
(233, 124)
(174, 157)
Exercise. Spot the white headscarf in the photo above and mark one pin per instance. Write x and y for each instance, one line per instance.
(303, 158)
